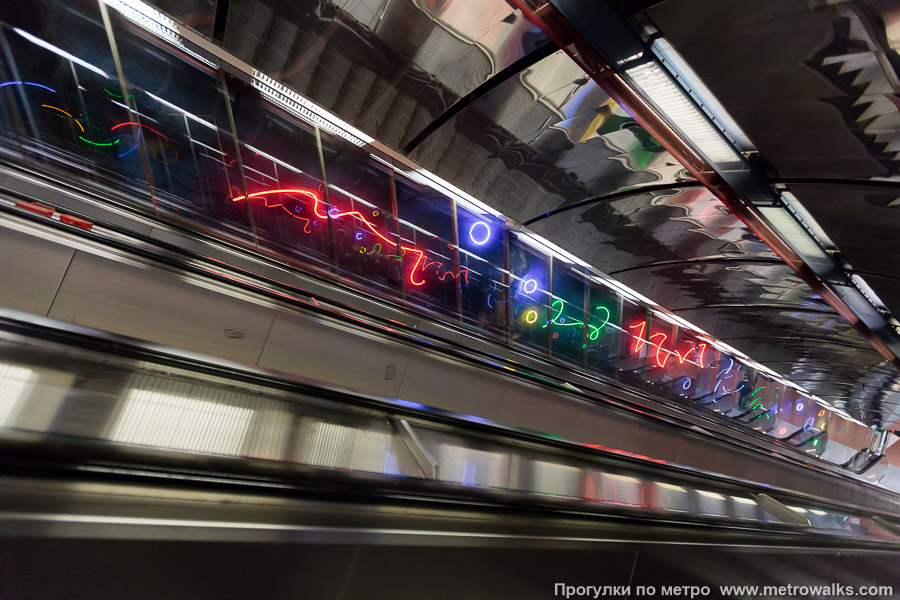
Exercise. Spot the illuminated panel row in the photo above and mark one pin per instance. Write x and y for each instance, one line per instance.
(216, 153)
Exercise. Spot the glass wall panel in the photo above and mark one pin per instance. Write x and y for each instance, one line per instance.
(185, 133)
(361, 209)
(529, 305)
(785, 407)
(603, 329)
(282, 170)
(60, 93)
(633, 339)
(761, 400)
(659, 354)
(701, 390)
(684, 365)
(568, 329)
(482, 257)
(425, 221)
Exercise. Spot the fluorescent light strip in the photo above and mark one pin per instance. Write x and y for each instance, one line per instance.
(431, 180)
(60, 52)
(354, 197)
(625, 478)
(676, 320)
(675, 64)
(794, 233)
(627, 291)
(128, 108)
(711, 494)
(165, 420)
(681, 112)
(723, 347)
(15, 384)
(191, 116)
(158, 23)
(743, 500)
(669, 486)
(310, 112)
(470, 202)
(273, 159)
(539, 243)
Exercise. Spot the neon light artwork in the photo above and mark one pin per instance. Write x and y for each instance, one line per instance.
(473, 234)
(114, 127)
(531, 317)
(533, 287)
(49, 89)
(80, 126)
(84, 139)
(290, 212)
(494, 289)
(558, 319)
(639, 338)
(336, 214)
(464, 273)
(702, 347)
(659, 347)
(117, 95)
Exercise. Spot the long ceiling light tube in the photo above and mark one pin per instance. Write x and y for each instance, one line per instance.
(156, 22)
(309, 111)
(60, 52)
(659, 87)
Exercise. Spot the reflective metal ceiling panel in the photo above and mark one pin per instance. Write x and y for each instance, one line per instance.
(559, 137)
(816, 87)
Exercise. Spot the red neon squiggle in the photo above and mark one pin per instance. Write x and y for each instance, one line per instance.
(659, 348)
(337, 215)
(640, 341)
(462, 272)
(288, 211)
(681, 358)
(702, 347)
(114, 127)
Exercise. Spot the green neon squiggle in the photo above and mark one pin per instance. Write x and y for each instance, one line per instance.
(594, 330)
(117, 95)
(83, 139)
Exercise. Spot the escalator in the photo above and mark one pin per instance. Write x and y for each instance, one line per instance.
(107, 279)
(131, 467)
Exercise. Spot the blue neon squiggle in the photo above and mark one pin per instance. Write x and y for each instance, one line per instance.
(133, 148)
(27, 83)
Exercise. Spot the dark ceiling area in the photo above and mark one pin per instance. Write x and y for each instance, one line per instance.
(480, 99)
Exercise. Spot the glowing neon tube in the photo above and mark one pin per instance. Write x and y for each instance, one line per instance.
(336, 215)
(49, 89)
